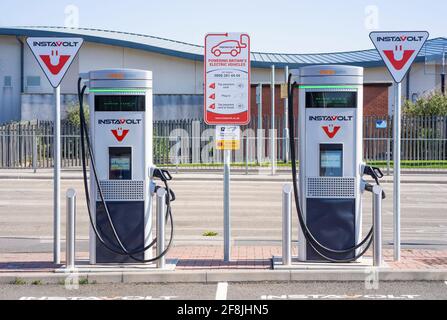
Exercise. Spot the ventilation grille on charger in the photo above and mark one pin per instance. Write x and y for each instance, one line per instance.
(122, 190)
(330, 187)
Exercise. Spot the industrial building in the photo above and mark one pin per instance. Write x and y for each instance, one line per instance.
(25, 93)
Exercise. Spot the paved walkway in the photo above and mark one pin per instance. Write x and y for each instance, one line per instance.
(262, 174)
(243, 258)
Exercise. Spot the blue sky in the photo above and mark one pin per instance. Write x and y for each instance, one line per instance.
(275, 26)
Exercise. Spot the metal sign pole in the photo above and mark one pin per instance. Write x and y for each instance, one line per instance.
(260, 135)
(56, 177)
(227, 212)
(272, 125)
(398, 70)
(396, 159)
(286, 120)
(443, 73)
(67, 48)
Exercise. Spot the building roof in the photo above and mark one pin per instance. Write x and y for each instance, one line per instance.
(364, 58)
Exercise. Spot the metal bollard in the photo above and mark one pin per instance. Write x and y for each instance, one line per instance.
(287, 225)
(34, 151)
(70, 237)
(246, 155)
(177, 161)
(377, 222)
(388, 155)
(161, 211)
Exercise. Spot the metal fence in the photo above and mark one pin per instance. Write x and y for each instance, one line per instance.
(190, 144)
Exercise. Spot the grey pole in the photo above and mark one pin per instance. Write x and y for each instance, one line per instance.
(161, 210)
(227, 212)
(287, 225)
(388, 155)
(246, 154)
(396, 158)
(70, 235)
(56, 177)
(259, 133)
(272, 125)
(34, 150)
(377, 223)
(286, 121)
(177, 156)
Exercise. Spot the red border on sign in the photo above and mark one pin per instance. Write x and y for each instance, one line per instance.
(212, 118)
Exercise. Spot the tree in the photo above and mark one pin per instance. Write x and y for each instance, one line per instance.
(434, 104)
(73, 114)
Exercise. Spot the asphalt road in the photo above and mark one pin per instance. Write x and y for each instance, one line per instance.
(234, 291)
(26, 213)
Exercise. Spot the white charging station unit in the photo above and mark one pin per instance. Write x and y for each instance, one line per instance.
(121, 132)
(330, 162)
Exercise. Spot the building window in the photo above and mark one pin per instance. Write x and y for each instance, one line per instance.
(33, 81)
(7, 81)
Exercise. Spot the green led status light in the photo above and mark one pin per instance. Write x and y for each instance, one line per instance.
(327, 87)
(117, 90)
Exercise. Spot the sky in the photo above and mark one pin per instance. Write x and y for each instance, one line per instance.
(280, 26)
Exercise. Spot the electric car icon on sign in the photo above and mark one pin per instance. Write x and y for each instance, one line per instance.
(231, 47)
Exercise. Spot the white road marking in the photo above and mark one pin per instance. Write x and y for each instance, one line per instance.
(221, 292)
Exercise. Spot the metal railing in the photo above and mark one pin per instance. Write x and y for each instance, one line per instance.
(190, 144)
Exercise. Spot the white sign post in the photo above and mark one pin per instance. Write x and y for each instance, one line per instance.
(398, 50)
(55, 56)
(227, 97)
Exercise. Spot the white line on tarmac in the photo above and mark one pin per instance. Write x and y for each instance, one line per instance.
(221, 292)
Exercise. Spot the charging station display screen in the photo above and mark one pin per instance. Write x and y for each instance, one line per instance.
(120, 103)
(120, 163)
(331, 160)
(331, 99)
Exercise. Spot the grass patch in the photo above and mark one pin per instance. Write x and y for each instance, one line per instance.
(406, 164)
(83, 281)
(209, 234)
(413, 164)
(37, 283)
(18, 281)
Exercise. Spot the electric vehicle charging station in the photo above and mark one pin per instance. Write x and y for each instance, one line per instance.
(329, 200)
(121, 169)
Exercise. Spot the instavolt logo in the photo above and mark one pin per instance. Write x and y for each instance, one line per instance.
(119, 121)
(399, 56)
(400, 39)
(331, 118)
(55, 61)
(55, 43)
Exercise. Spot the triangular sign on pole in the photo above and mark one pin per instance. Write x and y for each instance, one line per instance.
(54, 55)
(399, 49)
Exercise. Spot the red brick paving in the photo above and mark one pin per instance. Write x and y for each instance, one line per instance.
(242, 258)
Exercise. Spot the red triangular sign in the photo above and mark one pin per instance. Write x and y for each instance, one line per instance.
(399, 49)
(54, 55)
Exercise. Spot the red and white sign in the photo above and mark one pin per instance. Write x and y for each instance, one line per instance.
(399, 49)
(227, 79)
(54, 55)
